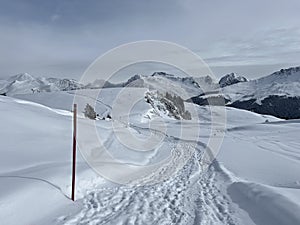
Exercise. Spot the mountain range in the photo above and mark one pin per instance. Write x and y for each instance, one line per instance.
(25, 83)
(277, 94)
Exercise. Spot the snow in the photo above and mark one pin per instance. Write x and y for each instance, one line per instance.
(264, 206)
(35, 163)
(25, 83)
(162, 82)
(281, 83)
(254, 179)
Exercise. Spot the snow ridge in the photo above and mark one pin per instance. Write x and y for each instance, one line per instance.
(25, 83)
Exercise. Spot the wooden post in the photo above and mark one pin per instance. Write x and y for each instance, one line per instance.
(74, 151)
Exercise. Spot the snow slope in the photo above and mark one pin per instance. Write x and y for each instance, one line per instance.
(35, 162)
(285, 82)
(253, 181)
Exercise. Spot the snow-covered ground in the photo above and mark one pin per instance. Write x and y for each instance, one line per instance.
(254, 180)
(285, 82)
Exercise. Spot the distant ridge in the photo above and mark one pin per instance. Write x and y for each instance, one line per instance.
(277, 94)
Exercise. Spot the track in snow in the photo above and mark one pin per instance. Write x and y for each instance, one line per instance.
(188, 197)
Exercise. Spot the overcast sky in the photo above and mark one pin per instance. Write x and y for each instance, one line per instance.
(60, 38)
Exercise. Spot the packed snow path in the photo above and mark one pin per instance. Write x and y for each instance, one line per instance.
(188, 197)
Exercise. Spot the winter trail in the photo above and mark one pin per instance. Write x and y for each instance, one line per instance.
(187, 197)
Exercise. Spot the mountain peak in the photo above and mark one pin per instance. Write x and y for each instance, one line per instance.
(287, 72)
(21, 77)
(283, 76)
(230, 79)
(159, 73)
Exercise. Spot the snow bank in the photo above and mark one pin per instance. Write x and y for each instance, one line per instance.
(263, 205)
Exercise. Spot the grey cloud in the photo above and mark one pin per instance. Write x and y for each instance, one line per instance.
(63, 37)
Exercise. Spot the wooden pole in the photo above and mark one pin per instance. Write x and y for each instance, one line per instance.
(74, 150)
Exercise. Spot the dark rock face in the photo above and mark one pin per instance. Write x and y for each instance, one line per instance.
(65, 84)
(216, 100)
(231, 79)
(279, 106)
(159, 73)
(132, 79)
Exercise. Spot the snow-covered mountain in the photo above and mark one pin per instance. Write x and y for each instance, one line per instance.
(251, 181)
(285, 83)
(24, 83)
(163, 82)
(277, 94)
(230, 79)
(184, 86)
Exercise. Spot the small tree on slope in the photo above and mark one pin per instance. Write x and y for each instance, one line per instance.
(89, 112)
